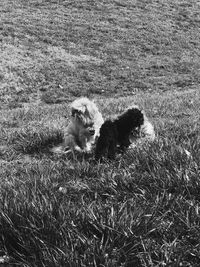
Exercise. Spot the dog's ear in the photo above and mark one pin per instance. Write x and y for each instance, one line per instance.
(74, 112)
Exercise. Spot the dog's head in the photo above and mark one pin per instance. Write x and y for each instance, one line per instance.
(131, 120)
(90, 129)
(136, 117)
(83, 111)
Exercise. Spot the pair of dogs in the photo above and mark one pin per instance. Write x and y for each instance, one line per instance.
(87, 127)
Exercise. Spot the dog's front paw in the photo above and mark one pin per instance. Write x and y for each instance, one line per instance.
(77, 148)
(57, 150)
(88, 148)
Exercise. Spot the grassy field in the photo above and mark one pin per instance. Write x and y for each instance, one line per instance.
(143, 209)
(54, 50)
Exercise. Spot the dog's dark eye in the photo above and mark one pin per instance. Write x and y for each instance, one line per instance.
(89, 125)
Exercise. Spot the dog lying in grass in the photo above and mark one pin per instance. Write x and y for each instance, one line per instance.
(83, 129)
(129, 129)
(116, 133)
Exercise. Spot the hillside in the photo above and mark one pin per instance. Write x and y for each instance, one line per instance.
(54, 50)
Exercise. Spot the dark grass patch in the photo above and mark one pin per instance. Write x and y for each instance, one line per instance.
(29, 141)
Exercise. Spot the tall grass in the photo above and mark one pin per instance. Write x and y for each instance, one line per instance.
(140, 210)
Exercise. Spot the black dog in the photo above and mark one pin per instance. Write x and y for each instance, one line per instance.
(116, 133)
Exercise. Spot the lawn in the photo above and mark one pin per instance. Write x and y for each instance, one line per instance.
(143, 209)
(52, 51)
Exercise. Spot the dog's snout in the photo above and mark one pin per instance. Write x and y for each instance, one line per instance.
(92, 131)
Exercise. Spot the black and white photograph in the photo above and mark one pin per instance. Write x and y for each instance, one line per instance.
(99, 133)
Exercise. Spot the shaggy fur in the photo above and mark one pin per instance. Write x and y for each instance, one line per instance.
(83, 128)
(145, 133)
(117, 133)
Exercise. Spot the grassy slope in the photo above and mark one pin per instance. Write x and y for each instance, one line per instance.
(143, 208)
(55, 50)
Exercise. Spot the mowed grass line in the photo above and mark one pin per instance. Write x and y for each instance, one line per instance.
(55, 50)
(140, 210)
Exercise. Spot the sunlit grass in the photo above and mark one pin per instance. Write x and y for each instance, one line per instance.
(56, 50)
(141, 209)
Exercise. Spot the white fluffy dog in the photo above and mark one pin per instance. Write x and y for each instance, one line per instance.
(145, 133)
(83, 128)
